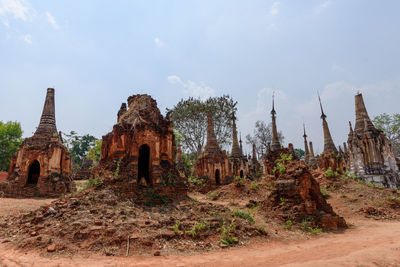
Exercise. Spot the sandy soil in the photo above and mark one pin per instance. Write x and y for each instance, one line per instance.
(367, 243)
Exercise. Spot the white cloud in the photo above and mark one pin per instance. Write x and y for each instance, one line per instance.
(19, 9)
(173, 79)
(27, 38)
(274, 8)
(322, 6)
(50, 18)
(197, 90)
(158, 42)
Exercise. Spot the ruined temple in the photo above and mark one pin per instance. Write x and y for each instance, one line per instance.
(306, 150)
(369, 151)
(237, 159)
(275, 139)
(42, 165)
(309, 157)
(213, 163)
(139, 153)
(254, 166)
(330, 157)
(275, 150)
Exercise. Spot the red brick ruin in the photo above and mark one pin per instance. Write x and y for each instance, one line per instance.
(213, 163)
(237, 159)
(275, 150)
(138, 156)
(330, 157)
(42, 165)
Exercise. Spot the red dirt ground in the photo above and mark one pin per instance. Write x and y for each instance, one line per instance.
(368, 242)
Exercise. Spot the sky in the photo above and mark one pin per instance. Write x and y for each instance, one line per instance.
(97, 53)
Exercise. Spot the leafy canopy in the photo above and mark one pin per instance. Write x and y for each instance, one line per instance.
(190, 121)
(78, 145)
(390, 125)
(10, 140)
(262, 136)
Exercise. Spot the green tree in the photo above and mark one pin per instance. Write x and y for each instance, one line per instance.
(300, 153)
(262, 136)
(94, 152)
(10, 140)
(390, 125)
(190, 121)
(78, 145)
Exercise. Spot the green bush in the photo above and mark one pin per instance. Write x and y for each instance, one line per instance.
(244, 215)
(286, 157)
(254, 186)
(324, 191)
(228, 234)
(197, 227)
(214, 195)
(176, 226)
(238, 181)
(331, 174)
(288, 225)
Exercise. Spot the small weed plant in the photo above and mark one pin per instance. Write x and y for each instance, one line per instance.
(288, 225)
(228, 234)
(244, 215)
(330, 173)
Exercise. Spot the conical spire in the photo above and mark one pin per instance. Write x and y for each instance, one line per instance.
(329, 146)
(275, 140)
(312, 155)
(241, 145)
(361, 115)
(254, 157)
(212, 144)
(235, 143)
(307, 152)
(47, 125)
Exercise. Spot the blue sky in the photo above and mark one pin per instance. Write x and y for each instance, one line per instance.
(97, 53)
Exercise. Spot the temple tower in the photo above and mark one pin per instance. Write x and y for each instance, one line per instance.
(329, 146)
(241, 146)
(275, 140)
(307, 152)
(363, 122)
(42, 164)
(235, 143)
(47, 125)
(211, 145)
(254, 156)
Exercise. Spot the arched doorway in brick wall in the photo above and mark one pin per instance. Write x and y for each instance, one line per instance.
(144, 164)
(33, 173)
(217, 177)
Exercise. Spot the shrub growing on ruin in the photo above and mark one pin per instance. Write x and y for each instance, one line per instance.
(245, 215)
(330, 173)
(288, 224)
(228, 233)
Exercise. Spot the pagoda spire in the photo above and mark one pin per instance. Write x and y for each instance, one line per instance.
(254, 157)
(47, 125)
(307, 152)
(212, 144)
(241, 145)
(329, 146)
(362, 116)
(235, 143)
(275, 140)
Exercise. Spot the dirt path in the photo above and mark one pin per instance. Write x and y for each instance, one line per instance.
(369, 243)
